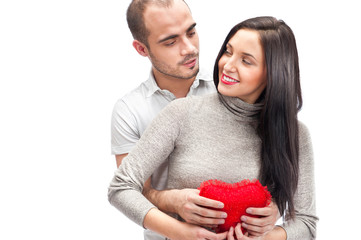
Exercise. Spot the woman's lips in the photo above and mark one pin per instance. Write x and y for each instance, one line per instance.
(228, 80)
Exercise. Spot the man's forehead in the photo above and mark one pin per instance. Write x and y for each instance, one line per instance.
(167, 20)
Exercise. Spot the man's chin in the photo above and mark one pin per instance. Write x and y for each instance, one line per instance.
(193, 73)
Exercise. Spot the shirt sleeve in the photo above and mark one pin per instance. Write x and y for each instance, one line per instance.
(124, 130)
(153, 148)
(304, 225)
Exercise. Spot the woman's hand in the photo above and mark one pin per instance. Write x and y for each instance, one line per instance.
(268, 217)
(239, 235)
(157, 221)
(193, 232)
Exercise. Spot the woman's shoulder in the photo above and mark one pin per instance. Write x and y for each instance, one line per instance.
(303, 129)
(192, 102)
(304, 135)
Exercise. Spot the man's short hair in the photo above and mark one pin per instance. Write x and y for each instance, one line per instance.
(135, 18)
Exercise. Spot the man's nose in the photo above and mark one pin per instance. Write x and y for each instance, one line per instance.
(188, 47)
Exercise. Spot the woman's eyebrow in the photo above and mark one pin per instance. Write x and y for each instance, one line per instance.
(229, 45)
(250, 55)
(244, 53)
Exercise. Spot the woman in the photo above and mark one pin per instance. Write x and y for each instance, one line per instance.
(249, 129)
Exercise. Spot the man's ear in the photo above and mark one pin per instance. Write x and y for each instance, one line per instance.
(140, 48)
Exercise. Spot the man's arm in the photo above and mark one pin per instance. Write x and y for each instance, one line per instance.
(188, 204)
(195, 209)
(119, 158)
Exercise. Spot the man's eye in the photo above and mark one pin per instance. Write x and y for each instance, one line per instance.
(192, 33)
(170, 43)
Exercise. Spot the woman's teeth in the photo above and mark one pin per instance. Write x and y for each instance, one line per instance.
(229, 79)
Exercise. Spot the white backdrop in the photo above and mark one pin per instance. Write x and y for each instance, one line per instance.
(63, 64)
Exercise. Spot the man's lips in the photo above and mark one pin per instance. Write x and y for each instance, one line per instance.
(228, 80)
(190, 63)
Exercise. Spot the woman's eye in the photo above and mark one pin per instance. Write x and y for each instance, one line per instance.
(246, 61)
(227, 52)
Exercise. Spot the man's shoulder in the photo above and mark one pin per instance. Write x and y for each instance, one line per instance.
(138, 93)
(133, 102)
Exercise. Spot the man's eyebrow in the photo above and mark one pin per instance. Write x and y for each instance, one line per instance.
(191, 27)
(176, 35)
(167, 38)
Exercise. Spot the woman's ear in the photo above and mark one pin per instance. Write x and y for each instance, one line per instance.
(140, 48)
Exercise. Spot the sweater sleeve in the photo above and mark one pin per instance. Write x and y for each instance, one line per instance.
(153, 148)
(304, 225)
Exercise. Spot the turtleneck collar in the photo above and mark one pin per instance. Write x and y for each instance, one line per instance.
(243, 111)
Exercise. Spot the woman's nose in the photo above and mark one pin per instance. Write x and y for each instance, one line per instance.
(229, 66)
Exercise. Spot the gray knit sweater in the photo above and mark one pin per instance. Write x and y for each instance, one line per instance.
(209, 137)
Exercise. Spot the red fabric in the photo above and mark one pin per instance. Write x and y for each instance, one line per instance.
(237, 197)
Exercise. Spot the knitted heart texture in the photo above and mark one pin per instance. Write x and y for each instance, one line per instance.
(236, 197)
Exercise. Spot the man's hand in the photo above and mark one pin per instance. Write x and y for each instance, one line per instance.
(268, 217)
(196, 209)
(188, 204)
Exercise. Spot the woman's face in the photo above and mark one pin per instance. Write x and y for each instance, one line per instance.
(242, 67)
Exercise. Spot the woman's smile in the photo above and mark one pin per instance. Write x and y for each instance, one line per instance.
(228, 80)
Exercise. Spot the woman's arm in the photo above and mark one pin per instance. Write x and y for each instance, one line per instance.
(277, 233)
(154, 147)
(304, 225)
(169, 227)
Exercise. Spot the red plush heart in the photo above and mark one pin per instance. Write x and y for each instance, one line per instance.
(237, 197)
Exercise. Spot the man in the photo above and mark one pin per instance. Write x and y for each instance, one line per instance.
(164, 31)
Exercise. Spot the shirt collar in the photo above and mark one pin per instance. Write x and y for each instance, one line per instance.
(152, 86)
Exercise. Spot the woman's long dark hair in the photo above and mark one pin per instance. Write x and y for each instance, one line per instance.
(278, 124)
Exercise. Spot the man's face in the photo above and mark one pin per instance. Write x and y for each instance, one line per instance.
(173, 40)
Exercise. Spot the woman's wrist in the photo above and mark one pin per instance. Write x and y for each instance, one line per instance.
(157, 221)
(278, 233)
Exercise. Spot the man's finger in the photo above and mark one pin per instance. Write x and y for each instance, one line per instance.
(209, 213)
(205, 202)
